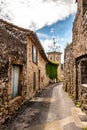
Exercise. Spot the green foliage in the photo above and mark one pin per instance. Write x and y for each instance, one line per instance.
(85, 128)
(78, 104)
(51, 70)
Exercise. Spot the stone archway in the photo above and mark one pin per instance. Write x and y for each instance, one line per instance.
(84, 71)
(81, 75)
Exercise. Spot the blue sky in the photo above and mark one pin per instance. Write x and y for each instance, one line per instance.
(61, 30)
(48, 18)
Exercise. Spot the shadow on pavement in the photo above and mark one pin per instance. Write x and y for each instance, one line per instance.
(71, 126)
(33, 113)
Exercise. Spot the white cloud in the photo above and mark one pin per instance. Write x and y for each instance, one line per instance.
(48, 45)
(52, 30)
(35, 14)
(42, 36)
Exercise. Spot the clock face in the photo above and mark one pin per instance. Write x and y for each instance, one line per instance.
(57, 58)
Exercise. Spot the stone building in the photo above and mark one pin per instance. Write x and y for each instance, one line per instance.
(68, 70)
(36, 65)
(75, 61)
(22, 67)
(55, 56)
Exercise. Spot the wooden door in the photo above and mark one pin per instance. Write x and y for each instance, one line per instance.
(34, 80)
(15, 80)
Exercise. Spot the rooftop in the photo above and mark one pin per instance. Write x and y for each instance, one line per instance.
(56, 52)
(21, 34)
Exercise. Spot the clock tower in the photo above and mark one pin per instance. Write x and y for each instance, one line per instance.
(54, 55)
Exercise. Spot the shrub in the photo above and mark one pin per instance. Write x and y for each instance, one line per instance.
(52, 70)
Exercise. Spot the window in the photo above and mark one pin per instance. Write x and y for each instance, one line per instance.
(57, 58)
(50, 57)
(15, 81)
(34, 80)
(34, 54)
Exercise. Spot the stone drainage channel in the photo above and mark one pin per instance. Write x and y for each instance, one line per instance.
(52, 109)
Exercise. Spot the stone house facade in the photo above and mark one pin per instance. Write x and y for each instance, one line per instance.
(36, 65)
(75, 60)
(22, 67)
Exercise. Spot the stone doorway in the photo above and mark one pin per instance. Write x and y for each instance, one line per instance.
(15, 80)
(84, 72)
(81, 75)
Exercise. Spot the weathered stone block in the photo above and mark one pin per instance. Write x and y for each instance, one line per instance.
(75, 57)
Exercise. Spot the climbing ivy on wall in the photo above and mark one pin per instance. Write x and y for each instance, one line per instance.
(51, 70)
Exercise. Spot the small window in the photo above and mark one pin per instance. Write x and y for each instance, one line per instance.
(34, 80)
(34, 54)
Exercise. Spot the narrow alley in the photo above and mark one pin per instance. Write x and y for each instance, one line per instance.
(50, 110)
(42, 44)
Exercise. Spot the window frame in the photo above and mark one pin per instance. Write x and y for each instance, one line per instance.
(34, 54)
(19, 86)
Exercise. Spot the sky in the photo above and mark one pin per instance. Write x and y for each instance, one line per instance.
(48, 18)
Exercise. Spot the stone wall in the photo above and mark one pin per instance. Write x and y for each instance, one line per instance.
(44, 79)
(68, 70)
(17, 32)
(38, 67)
(78, 57)
(16, 51)
(84, 97)
(12, 52)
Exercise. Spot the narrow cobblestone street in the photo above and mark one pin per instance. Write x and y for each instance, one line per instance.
(50, 110)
